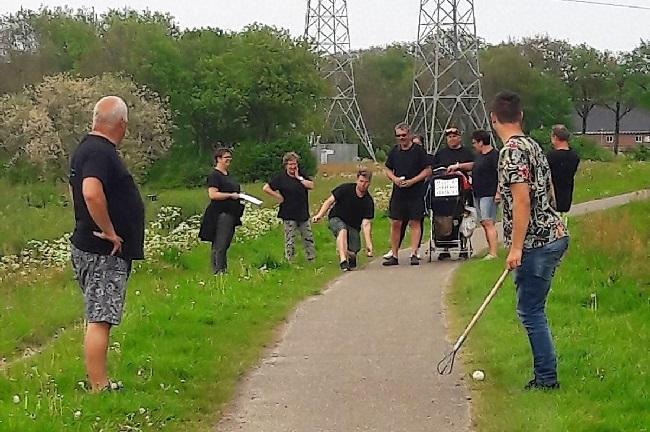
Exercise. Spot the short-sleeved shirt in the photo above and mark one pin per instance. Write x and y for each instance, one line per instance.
(226, 184)
(408, 164)
(97, 157)
(295, 206)
(564, 164)
(485, 174)
(350, 207)
(447, 156)
(521, 160)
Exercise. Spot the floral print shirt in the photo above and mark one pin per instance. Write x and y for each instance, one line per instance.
(521, 160)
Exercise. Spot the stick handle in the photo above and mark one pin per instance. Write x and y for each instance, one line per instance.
(480, 310)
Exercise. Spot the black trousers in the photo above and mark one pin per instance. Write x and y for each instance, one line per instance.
(222, 239)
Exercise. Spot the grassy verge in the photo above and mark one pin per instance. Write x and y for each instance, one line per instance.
(23, 208)
(599, 312)
(604, 179)
(186, 338)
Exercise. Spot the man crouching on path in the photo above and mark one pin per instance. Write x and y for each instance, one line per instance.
(407, 167)
(532, 229)
(353, 210)
(108, 233)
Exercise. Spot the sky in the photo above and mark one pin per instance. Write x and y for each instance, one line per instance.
(381, 22)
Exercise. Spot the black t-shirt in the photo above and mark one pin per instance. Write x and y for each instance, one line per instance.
(295, 206)
(226, 184)
(485, 173)
(408, 164)
(351, 208)
(447, 156)
(97, 157)
(563, 164)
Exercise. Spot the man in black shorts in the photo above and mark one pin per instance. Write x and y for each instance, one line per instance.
(407, 167)
(108, 233)
(352, 212)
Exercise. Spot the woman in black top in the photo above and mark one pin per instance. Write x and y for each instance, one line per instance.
(290, 189)
(223, 213)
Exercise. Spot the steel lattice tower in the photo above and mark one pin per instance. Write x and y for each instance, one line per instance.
(446, 84)
(326, 26)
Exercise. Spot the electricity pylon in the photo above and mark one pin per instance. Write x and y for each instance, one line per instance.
(326, 26)
(447, 81)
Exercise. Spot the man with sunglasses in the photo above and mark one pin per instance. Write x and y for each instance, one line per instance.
(407, 167)
(454, 157)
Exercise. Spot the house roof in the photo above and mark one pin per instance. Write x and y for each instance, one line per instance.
(601, 120)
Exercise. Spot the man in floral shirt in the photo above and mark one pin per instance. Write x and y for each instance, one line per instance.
(533, 231)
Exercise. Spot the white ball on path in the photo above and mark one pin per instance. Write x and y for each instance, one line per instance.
(478, 375)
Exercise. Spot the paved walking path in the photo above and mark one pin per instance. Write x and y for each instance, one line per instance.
(362, 356)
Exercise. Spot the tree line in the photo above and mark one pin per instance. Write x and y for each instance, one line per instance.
(259, 88)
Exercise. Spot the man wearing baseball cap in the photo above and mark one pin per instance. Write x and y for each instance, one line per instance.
(454, 157)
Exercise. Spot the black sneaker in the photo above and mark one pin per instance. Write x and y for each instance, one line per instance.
(344, 266)
(444, 256)
(415, 260)
(352, 262)
(392, 261)
(534, 385)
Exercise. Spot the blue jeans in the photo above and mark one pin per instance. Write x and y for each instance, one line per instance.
(533, 282)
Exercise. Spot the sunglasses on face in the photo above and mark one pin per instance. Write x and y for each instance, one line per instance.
(401, 135)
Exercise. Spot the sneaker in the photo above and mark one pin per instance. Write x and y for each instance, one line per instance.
(388, 255)
(488, 257)
(463, 255)
(392, 261)
(352, 262)
(344, 266)
(444, 256)
(415, 260)
(534, 385)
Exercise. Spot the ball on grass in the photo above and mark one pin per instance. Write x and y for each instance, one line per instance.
(478, 375)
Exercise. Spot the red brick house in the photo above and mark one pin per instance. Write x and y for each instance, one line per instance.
(634, 129)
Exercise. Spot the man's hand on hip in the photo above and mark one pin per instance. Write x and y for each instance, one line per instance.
(113, 238)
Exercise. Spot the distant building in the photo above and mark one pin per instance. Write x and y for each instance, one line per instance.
(634, 128)
(336, 153)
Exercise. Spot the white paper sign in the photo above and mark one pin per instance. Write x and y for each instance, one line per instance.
(250, 199)
(443, 188)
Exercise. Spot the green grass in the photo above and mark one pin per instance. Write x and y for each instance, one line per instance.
(604, 179)
(186, 338)
(24, 208)
(602, 352)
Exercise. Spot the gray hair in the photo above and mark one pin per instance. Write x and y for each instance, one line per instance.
(403, 126)
(561, 132)
(110, 110)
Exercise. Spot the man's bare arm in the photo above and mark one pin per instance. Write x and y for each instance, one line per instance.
(366, 227)
(329, 202)
(520, 221)
(92, 190)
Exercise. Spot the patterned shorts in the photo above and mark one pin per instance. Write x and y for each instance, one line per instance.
(102, 279)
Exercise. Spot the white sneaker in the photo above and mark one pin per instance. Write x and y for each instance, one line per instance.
(488, 257)
(388, 255)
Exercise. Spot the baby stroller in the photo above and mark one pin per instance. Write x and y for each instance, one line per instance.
(447, 200)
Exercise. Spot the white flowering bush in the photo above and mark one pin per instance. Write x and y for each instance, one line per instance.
(167, 232)
(43, 124)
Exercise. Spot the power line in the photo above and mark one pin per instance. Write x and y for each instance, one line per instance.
(608, 4)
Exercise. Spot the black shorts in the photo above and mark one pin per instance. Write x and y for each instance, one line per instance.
(406, 208)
